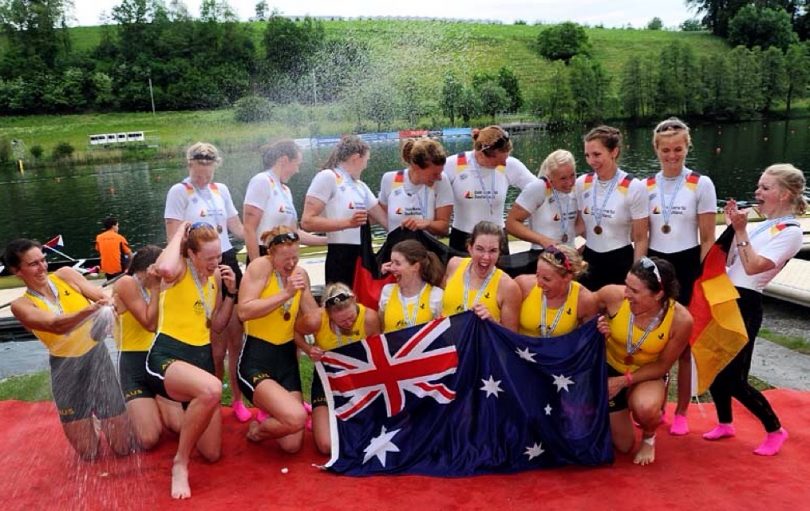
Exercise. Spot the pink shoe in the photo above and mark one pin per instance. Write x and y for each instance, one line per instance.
(262, 416)
(241, 412)
(720, 431)
(308, 407)
(773, 442)
(679, 426)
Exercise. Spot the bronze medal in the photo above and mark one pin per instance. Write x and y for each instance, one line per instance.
(564, 238)
(628, 360)
(287, 315)
(208, 323)
(219, 229)
(597, 230)
(666, 229)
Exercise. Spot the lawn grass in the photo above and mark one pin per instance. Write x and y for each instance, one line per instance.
(792, 342)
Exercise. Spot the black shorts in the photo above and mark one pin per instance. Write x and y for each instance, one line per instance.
(86, 385)
(261, 360)
(229, 258)
(458, 241)
(340, 261)
(606, 267)
(619, 401)
(317, 395)
(262, 252)
(687, 269)
(132, 375)
(167, 350)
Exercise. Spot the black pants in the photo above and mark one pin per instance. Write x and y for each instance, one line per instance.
(606, 267)
(340, 261)
(459, 239)
(687, 269)
(733, 379)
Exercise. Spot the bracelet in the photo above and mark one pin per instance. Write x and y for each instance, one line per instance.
(228, 294)
(628, 378)
(743, 244)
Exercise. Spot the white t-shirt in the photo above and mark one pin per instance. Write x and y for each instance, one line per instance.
(403, 199)
(342, 196)
(626, 201)
(689, 195)
(775, 241)
(266, 192)
(479, 193)
(552, 213)
(436, 295)
(212, 205)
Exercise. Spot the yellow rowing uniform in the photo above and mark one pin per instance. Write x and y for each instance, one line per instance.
(650, 349)
(453, 302)
(131, 335)
(182, 314)
(272, 327)
(393, 316)
(326, 339)
(72, 344)
(531, 307)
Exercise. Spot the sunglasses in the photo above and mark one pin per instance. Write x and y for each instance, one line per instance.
(649, 265)
(337, 299)
(556, 255)
(204, 157)
(499, 143)
(670, 125)
(287, 237)
(200, 225)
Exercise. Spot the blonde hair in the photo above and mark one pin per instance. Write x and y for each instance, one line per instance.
(267, 236)
(556, 160)
(572, 264)
(791, 180)
(671, 128)
(203, 152)
(335, 289)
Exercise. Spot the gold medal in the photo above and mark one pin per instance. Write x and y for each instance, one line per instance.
(628, 360)
(208, 323)
(597, 229)
(666, 229)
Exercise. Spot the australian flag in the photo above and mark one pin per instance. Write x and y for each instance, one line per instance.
(460, 396)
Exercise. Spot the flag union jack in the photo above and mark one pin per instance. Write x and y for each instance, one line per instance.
(414, 367)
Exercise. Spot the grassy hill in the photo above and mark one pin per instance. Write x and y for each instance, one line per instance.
(423, 50)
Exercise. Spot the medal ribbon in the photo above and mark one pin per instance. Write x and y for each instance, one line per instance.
(287, 200)
(210, 203)
(480, 289)
(547, 331)
(200, 292)
(286, 306)
(410, 319)
(350, 180)
(55, 307)
(598, 213)
(632, 347)
(563, 215)
(666, 209)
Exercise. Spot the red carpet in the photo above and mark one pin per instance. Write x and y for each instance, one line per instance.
(39, 471)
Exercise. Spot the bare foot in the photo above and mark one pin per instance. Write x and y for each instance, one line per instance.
(255, 433)
(180, 487)
(645, 454)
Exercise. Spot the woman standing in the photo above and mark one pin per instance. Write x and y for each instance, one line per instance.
(416, 297)
(136, 301)
(554, 303)
(762, 250)
(269, 201)
(479, 179)
(341, 321)
(180, 363)
(338, 203)
(417, 198)
(614, 208)
(474, 283)
(682, 206)
(56, 309)
(548, 203)
(646, 330)
(199, 199)
(273, 296)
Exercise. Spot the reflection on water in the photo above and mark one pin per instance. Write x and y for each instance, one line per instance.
(72, 201)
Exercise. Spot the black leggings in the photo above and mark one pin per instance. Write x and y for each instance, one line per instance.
(733, 379)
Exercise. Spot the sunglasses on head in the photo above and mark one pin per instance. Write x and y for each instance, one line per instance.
(499, 142)
(337, 299)
(670, 125)
(649, 265)
(205, 157)
(558, 256)
(287, 237)
(200, 225)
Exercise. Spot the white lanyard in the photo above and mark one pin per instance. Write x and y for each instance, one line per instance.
(666, 208)
(200, 293)
(56, 306)
(480, 289)
(770, 223)
(144, 293)
(410, 319)
(285, 307)
(598, 213)
(287, 200)
(632, 347)
(350, 181)
(210, 203)
(488, 196)
(563, 214)
(547, 331)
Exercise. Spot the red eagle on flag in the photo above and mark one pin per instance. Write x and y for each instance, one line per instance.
(413, 368)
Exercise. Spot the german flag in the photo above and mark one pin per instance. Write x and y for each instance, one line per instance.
(718, 333)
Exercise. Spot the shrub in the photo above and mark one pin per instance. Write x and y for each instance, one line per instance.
(691, 25)
(253, 109)
(563, 41)
(37, 151)
(655, 24)
(63, 150)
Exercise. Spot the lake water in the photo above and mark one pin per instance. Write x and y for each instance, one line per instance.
(72, 201)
